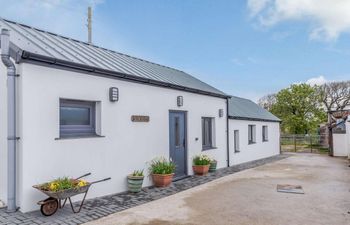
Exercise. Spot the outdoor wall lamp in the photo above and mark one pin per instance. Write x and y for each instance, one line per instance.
(221, 112)
(180, 101)
(113, 94)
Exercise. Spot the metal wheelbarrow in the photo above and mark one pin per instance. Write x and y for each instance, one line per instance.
(50, 205)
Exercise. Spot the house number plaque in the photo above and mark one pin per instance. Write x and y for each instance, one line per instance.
(137, 118)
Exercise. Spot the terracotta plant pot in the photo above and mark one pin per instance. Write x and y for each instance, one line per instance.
(135, 183)
(212, 167)
(162, 180)
(201, 170)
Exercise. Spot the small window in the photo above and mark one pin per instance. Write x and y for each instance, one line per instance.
(265, 136)
(77, 118)
(207, 133)
(251, 134)
(177, 131)
(236, 140)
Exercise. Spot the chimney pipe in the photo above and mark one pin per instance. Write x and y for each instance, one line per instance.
(11, 120)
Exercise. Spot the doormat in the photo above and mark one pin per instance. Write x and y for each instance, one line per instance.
(287, 188)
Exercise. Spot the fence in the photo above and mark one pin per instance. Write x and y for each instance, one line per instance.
(304, 143)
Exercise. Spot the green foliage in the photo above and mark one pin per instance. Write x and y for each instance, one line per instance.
(200, 160)
(137, 173)
(59, 184)
(299, 108)
(161, 166)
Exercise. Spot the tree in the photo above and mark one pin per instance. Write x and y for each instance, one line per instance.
(299, 108)
(334, 95)
(267, 101)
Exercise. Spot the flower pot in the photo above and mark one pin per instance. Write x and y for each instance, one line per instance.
(135, 183)
(212, 167)
(162, 180)
(201, 169)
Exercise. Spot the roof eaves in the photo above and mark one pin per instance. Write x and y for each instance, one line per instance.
(253, 119)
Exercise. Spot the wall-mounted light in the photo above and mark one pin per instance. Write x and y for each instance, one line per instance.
(180, 101)
(113, 94)
(221, 112)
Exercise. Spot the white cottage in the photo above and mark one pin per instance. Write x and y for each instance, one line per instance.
(74, 108)
(254, 132)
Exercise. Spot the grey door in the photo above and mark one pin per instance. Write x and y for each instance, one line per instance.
(177, 140)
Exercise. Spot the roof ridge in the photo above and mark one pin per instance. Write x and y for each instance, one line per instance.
(92, 45)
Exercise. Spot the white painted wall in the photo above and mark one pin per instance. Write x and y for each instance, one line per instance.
(126, 146)
(259, 150)
(341, 142)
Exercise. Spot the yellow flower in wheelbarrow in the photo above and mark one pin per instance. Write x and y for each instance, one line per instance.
(82, 183)
(53, 186)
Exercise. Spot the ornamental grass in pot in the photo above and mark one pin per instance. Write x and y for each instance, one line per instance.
(162, 171)
(201, 164)
(135, 181)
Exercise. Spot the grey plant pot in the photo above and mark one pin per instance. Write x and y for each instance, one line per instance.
(212, 167)
(135, 183)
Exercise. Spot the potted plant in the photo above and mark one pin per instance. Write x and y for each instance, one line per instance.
(201, 164)
(162, 171)
(135, 181)
(212, 167)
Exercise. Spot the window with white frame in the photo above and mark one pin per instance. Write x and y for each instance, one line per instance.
(236, 140)
(77, 118)
(251, 134)
(207, 133)
(265, 136)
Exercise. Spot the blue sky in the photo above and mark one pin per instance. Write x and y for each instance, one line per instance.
(245, 48)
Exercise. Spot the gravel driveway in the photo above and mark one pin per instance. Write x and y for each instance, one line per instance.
(250, 197)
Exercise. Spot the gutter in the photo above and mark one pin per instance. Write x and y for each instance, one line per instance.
(34, 58)
(253, 119)
(11, 120)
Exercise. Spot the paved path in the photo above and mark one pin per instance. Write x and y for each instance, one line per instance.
(250, 197)
(100, 207)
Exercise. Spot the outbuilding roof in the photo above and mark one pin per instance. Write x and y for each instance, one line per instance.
(38, 46)
(245, 109)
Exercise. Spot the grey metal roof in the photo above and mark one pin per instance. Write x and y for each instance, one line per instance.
(241, 108)
(44, 46)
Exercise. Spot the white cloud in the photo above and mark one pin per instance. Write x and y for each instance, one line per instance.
(317, 81)
(327, 18)
(237, 62)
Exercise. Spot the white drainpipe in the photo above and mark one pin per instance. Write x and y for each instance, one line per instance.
(11, 120)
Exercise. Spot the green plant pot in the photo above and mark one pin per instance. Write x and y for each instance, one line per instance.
(212, 167)
(135, 183)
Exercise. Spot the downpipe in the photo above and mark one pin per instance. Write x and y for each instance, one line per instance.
(11, 120)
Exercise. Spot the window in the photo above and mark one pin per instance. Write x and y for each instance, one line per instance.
(265, 136)
(77, 118)
(207, 133)
(251, 134)
(236, 140)
(177, 131)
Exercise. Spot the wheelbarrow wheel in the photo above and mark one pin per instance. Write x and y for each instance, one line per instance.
(49, 207)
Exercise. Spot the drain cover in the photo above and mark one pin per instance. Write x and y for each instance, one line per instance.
(288, 188)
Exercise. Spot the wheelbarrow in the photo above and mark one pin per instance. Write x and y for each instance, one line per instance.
(49, 206)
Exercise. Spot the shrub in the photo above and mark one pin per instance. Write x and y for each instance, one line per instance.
(161, 166)
(200, 160)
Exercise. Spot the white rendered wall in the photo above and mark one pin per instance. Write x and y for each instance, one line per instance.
(126, 146)
(341, 142)
(340, 145)
(259, 150)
